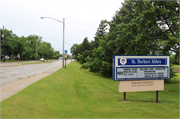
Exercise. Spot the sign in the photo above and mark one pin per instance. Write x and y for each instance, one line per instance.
(65, 56)
(142, 61)
(140, 67)
(65, 51)
(18, 55)
(141, 85)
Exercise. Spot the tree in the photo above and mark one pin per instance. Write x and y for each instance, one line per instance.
(19, 46)
(85, 44)
(101, 31)
(56, 55)
(77, 48)
(137, 28)
(45, 50)
(9, 42)
(175, 59)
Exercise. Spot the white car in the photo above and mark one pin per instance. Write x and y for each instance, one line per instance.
(41, 59)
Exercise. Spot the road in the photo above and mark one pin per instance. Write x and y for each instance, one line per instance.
(9, 72)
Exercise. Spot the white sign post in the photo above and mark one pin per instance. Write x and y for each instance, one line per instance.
(65, 56)
(141, 73)
(18, 55)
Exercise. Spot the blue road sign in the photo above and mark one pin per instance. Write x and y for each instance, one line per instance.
(65, 51)
(140, 67)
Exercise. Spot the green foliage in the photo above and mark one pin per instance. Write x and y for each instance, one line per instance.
(25, 46)
(175, 59)
(9, 42)
(85, 66)
(68, 56)
(98, 64)
(101, 31)
(137, 28)
(56, 55)
(80, 58)
(76, 48)
(85, 45)
(172, 75)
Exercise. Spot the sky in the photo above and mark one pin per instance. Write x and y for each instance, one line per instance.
(82, 18)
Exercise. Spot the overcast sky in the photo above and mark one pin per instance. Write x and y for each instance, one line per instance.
(82, 18)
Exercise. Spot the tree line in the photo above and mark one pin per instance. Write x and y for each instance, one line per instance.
(137, 28)
(26, 47)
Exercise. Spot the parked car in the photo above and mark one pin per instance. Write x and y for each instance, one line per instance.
(6, 57)
(41, 59)
(20, 58)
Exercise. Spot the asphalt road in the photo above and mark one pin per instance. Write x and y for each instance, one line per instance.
(9, 72)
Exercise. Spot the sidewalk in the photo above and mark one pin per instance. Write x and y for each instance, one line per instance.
(11, 89)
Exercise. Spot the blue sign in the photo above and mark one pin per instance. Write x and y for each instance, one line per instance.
(65, 51)
(143, 61)
(140, 67)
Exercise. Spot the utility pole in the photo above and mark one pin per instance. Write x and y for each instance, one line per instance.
(63, 41)
(3, 44)
(72, 55)
(59, 55)
(63, 35)
(36, 49)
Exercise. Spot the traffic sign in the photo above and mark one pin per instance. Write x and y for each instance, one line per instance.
(65, 51)
(140, 67)
(65, 56)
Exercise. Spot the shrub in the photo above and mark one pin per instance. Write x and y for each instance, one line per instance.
(84, 66)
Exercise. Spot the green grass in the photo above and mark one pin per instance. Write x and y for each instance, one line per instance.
(78, 93)
(175, 66)
(37, 62)
(175, 79)
(2, 61)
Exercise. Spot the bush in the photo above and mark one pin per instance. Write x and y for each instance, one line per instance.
(84, 66)
(80, 58)
(175, 59)
(172, 75)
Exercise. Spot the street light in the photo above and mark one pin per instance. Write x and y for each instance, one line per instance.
(63, 33)
(36, 47)
(3, 44)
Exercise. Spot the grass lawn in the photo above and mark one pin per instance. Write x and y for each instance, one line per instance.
(37, 62)
(175, 66)
(78, 93)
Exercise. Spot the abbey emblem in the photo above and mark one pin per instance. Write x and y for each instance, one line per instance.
(123, 60)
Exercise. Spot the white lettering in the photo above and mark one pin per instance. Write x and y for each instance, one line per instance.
(140, 62)
(144, 61)
(156, 61)
(133, 61)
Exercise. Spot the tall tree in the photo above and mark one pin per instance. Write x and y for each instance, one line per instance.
(77, 48)
(85, 44)
(9, 41)
(138, 28)
(101, 31)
